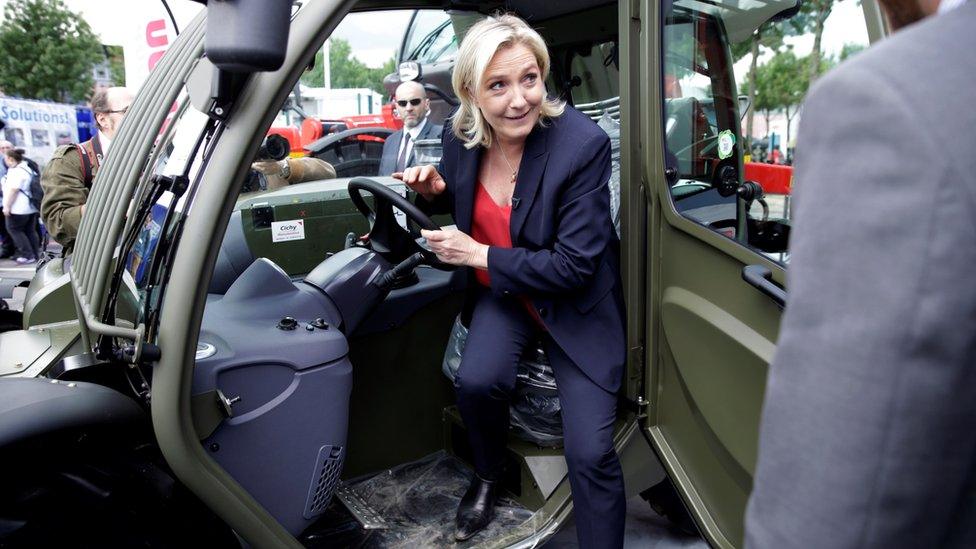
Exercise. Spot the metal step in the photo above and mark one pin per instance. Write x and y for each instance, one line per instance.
(366, 515)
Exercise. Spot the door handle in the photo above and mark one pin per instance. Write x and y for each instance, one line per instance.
(762, 278)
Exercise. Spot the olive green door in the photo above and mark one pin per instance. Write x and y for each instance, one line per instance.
(710, 334)
(718, 222)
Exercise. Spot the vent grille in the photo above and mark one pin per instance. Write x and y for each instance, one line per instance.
(325, 478)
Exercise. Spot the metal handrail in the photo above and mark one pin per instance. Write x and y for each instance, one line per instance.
(109, 201)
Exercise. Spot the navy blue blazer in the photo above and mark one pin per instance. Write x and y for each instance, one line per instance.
(565, 254)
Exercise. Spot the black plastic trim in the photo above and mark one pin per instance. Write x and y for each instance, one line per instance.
(762, 278)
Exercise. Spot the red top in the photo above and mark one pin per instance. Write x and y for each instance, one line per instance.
(490, 225)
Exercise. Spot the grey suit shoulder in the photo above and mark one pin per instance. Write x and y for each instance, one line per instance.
(866, 436)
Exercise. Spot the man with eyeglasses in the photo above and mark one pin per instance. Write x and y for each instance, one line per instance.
(412, 106)
(68, 177)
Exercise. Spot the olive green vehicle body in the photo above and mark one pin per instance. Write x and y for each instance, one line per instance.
(700, 338)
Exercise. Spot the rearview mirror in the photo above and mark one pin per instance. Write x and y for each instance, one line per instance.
(743, 106)
(247, 36)
(409, 70)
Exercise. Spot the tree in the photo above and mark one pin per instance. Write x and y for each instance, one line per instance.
(813, 14)
(771, 35)
(768, 35)
(116, 64)
(347, 71)
(790, 84)
(50, 51)
(781, 85)
(850, 49)
(767, 98)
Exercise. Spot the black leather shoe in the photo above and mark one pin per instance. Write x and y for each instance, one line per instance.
(477, 508)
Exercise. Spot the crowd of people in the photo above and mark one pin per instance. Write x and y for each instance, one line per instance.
(20, 232)
(37, 203)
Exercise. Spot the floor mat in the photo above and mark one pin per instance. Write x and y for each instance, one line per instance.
(419, 501)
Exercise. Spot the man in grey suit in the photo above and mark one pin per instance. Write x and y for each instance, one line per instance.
(868, 435)
(412, 105)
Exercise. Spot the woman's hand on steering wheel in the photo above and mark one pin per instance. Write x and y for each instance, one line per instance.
(456, 248)
(386, 236)
(424, 180)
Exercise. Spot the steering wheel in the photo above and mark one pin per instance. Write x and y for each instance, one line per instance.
(386, 236)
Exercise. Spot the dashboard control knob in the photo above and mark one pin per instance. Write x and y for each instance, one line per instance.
(320, 323)
(287, 323)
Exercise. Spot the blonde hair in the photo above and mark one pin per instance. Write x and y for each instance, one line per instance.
(480, 44)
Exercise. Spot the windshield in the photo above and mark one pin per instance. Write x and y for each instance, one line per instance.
(161, 203)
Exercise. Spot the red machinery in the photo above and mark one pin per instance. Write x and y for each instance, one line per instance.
(773, 178)
(313, 129)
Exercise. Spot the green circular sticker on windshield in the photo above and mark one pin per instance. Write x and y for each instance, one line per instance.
(726, 142)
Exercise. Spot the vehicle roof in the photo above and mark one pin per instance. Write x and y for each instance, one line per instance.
(531, 10)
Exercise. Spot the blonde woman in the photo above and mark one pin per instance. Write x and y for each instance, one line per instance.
(525, 177)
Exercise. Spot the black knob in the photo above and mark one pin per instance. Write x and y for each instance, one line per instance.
(728, 181)
(287, 323)
(671, 174)
(749, 191)
(320, 323)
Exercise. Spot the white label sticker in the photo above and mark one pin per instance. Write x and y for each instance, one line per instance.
(726, 141)
(283, 231)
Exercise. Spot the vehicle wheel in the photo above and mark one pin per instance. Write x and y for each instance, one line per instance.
(665, 501)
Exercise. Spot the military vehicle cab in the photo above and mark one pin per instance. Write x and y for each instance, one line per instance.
(268, 368)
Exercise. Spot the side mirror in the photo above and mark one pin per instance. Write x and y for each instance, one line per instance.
(409, 70)
(743, 106)
(247, 36)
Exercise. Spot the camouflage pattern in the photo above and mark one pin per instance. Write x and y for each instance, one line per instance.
(65, 192)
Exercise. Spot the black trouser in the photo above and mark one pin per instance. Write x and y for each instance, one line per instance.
(501, 329)
(7, 244)
(23, 230)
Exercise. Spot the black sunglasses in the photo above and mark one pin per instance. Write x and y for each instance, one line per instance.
(403, 102)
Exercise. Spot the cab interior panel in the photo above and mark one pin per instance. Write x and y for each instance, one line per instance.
(399, 392)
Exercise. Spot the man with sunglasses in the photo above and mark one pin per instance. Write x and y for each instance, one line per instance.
(412, 106)
(68, 177)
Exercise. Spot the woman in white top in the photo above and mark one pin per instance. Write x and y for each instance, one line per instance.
(21, 215)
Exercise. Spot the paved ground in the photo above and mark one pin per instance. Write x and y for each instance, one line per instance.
(645, 529)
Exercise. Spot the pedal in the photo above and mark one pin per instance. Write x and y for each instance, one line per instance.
(364, 513)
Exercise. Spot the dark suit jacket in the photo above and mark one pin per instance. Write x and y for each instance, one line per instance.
(392, 146)
(867, 435)
(565, 254)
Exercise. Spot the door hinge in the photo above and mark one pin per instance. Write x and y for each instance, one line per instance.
(637, 358)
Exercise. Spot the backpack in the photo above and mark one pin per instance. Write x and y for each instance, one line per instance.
(91, 156)
(34, 191)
